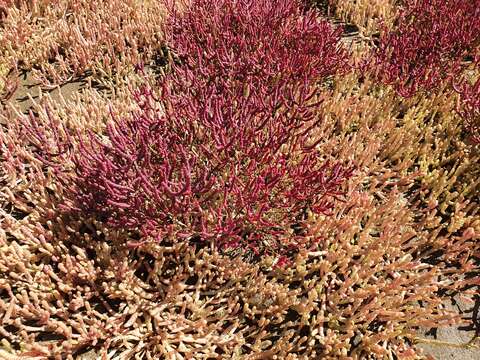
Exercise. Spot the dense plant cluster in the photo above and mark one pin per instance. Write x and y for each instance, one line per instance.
(248, 192)
(428, 44)
(369, 16)
(231, 153)
(470, 107)
(60, 40)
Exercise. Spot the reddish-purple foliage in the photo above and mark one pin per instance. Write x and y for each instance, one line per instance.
(429, 42)
(232, 154)
(256, 41)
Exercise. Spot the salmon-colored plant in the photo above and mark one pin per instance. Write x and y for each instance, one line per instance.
(61, 40)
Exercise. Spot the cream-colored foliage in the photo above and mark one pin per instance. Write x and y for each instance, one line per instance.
(59, 40)
(368, 15)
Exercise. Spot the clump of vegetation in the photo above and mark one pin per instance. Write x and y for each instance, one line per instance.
(246, 191)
